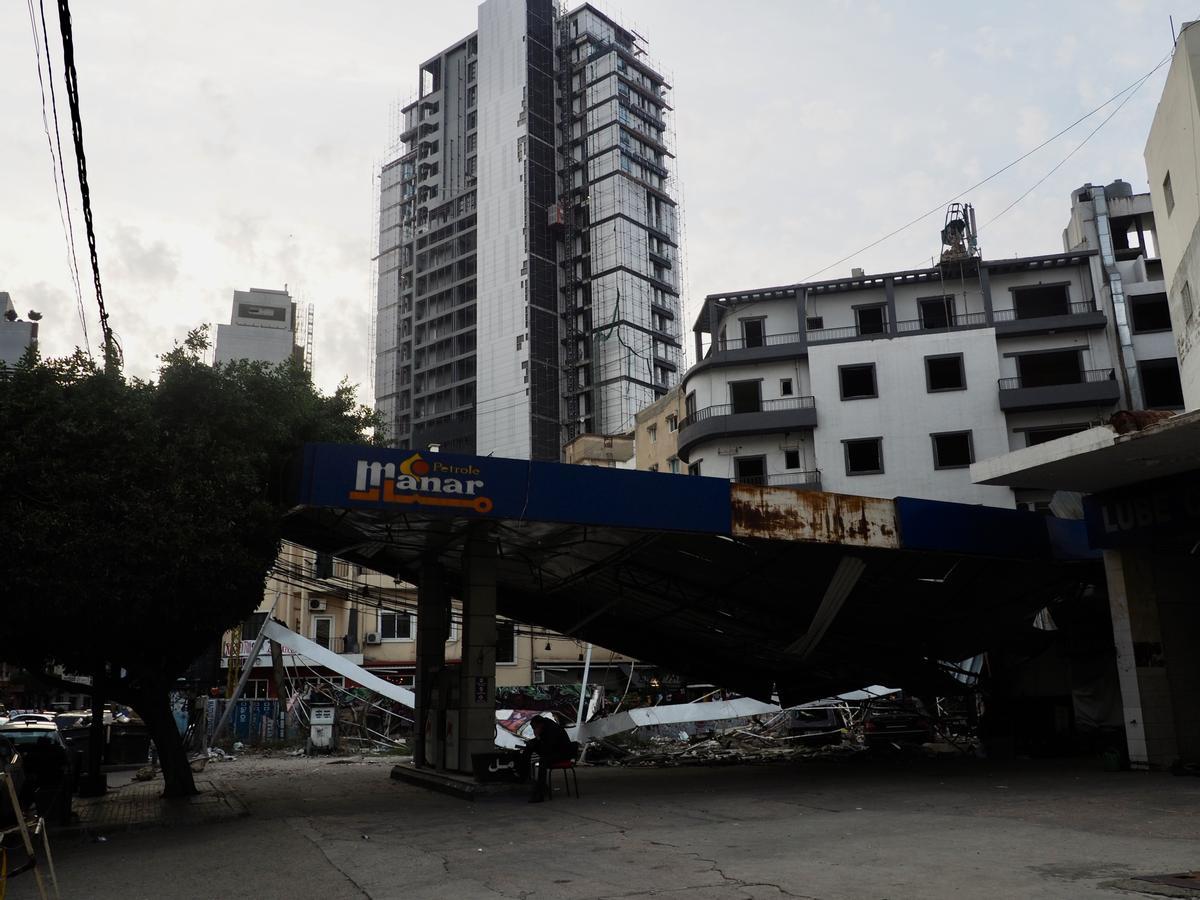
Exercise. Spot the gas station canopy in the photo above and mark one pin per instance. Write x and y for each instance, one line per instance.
(756, 589)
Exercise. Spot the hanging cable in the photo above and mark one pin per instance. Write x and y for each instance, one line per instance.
(61, 195)
(941, 206)
(112, 351)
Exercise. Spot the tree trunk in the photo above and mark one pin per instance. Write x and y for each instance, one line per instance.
(154, 706)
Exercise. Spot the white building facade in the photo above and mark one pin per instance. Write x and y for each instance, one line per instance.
(528, 286)
(265, 326)
(16, 334)
(893, 384)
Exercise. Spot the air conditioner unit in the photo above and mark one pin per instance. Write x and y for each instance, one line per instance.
(315, 605)
(372, 637)
(539, 676)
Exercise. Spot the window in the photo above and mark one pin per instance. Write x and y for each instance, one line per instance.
(673, 464)
(689, 405)
(750, 469)
(1041, 300)
(322, 630)
(945, 373)
(506, 642)
(1185, 296)
(936, 312)
(672, 422)
(395, 626)
(1053, 367)
(652, 434)
(1160, 383)
(745, 396)
(871, 319)
(791, 459)
(814, 323)
(952, 450)
(858, 382)
(1168, 194)
(753, 332)
(694, 469)
(864, 456)
(1035, 436)
(1150, 312)
(785, 387)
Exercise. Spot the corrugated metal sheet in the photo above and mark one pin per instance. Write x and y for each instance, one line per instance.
(787, 514)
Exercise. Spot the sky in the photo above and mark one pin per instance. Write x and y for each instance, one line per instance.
(232, 145)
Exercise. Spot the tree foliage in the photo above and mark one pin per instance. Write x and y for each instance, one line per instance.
(140, 517)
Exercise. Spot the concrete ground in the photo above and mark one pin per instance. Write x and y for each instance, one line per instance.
(342, 828)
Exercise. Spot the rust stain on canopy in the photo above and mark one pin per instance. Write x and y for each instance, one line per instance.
(780, 513)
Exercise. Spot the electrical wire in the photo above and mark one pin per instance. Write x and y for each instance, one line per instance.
(112, 350)
(941, 206)
(61, 196)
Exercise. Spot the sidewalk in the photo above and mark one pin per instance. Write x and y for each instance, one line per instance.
(140, 805)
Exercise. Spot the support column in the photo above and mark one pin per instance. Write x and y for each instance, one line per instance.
(1141, 667)
(477, 685)
(889, 293)
(433, 627)
(985, 285)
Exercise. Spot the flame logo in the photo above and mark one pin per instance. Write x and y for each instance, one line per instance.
(414, 466)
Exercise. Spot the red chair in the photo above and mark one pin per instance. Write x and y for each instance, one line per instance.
(567, 767)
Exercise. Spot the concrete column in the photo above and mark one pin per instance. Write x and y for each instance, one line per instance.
(433, 627)
(1141, 666)
(477, 685)
(889, 291)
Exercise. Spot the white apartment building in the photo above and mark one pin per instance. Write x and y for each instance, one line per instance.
(1173, 166)
(267, 326)
(893, 384)
(528, 287)
(16, 334)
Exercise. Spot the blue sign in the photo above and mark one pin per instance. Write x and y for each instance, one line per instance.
(1142, 514)
(350, 476)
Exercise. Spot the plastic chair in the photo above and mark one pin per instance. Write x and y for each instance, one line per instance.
(569, 773)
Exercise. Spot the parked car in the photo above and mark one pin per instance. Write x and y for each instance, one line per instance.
(33, 717)
(50, 771)
(817, 724)
(897, 721)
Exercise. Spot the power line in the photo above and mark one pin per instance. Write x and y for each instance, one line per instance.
(56, 166)
(941, 206)
(112, 351)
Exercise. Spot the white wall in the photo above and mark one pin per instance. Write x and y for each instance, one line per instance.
(905, 414)
(502, 395)
(272, 345)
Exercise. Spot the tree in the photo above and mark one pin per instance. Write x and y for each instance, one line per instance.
(141, 517)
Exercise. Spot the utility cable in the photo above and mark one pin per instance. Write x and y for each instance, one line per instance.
(56, 166)
(112, 350)
(941, 206)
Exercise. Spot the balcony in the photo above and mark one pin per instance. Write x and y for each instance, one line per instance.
(1094, 387)
(848, 333)
(805, 480)
(786, 414)
(764, 348)
(929, 325)
(1042, 319)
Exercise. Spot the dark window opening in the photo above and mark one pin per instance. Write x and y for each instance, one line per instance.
(1036, 436)
(323, 630)
(689, 405)
(1055, 367)
(871, 319)
(1161, 388)
(506, 641)
(395, 625)
(952, 450)
(752, 332)
(785, 387)
(745, 396)
(937, 312)
(750, 469)
(864, 456)
(814, 323)
(1168, 194)
(945, 373)
(694, 468)
(1150, 312)
(858, 381)
(791, 459)
(1043, 300)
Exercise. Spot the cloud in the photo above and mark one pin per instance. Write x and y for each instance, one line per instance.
(153, 263)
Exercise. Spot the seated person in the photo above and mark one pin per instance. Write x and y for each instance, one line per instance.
(552, 745)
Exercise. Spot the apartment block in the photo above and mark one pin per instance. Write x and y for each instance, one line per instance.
(266, 326)
(528, 287)
(893, 384)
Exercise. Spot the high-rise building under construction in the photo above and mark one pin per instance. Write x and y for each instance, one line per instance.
(528, 262)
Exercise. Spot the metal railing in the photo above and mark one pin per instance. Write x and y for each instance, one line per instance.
(825, 335)
(964, 320)
(808, 477)
(726, 409)
(1079, 308)
(769, 340)
(1086, 376)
